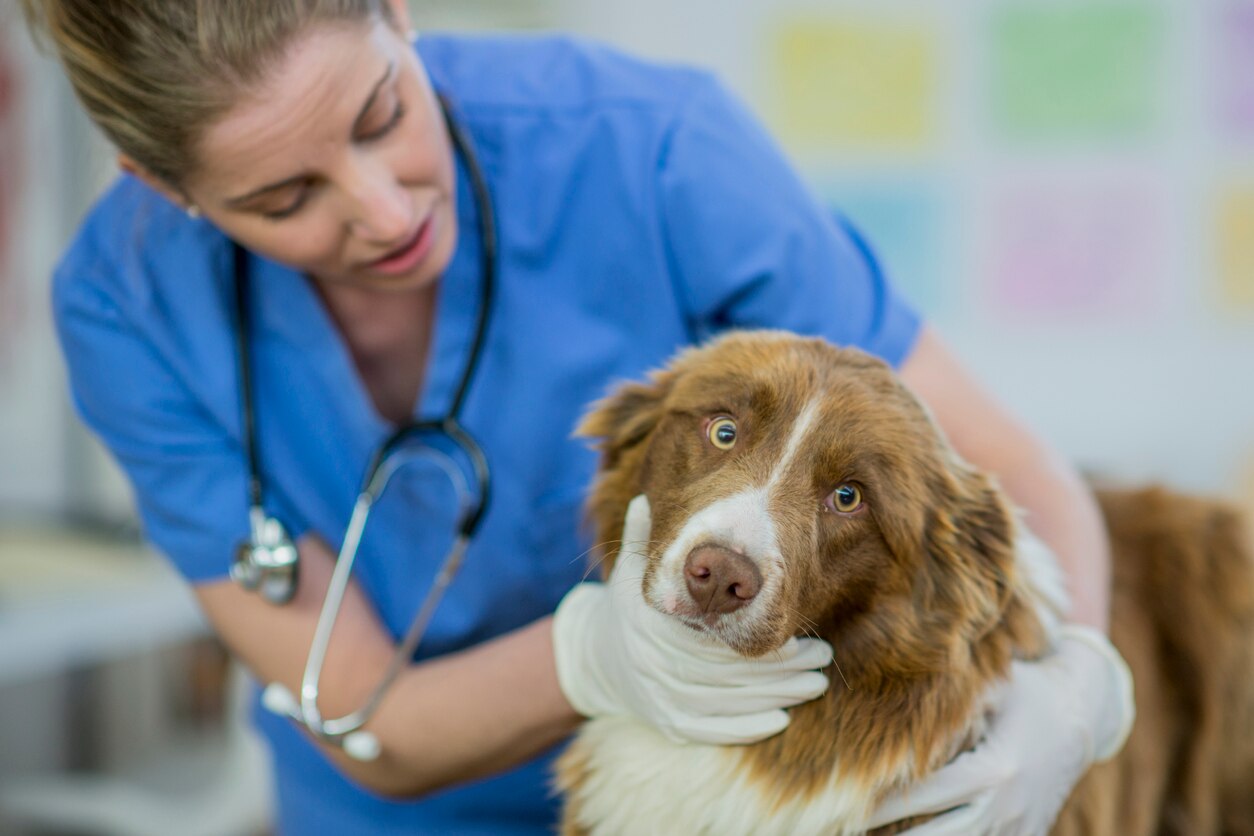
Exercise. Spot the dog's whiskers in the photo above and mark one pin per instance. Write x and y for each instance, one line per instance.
(811, 628)
(605, 553)
(839, 671)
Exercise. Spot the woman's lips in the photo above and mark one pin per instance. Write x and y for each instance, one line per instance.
(410, 254)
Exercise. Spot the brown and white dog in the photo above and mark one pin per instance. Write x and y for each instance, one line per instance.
(798, 488)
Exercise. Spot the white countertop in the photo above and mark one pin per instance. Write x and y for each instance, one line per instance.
(67, 600)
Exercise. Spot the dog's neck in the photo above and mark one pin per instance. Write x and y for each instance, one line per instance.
(886, 718)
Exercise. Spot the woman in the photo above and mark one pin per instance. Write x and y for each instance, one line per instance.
(638, 208)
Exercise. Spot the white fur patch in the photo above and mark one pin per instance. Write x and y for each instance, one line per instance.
(639, 782)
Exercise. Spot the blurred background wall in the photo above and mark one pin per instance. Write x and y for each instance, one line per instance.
(1065, 187)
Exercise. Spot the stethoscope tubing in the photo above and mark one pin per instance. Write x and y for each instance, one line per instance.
(338, 586)
(383, 464)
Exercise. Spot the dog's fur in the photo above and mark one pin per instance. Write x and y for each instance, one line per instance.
(926, 592)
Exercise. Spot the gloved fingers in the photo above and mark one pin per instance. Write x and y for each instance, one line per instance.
(627, 573)
(637, 526)
(708, 659)
(804, 653)
(796, 689)
(1112, 706)
(724, 701)
(730, 731)
(582, 680)
(796, 654)
(711, 667)
(735, 675)
(956, 784)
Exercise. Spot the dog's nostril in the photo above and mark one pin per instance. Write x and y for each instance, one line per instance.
(720, 580)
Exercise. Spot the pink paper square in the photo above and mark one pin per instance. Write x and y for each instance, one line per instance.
(1077, 249)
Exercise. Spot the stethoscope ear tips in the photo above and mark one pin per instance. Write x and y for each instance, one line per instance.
(278, 700)
(362, 746)
(359, 745)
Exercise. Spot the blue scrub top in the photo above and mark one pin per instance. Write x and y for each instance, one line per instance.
(640, 208)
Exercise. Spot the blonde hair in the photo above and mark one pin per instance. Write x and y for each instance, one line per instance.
(154, 74)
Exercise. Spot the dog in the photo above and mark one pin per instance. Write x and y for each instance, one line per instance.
(800, 488)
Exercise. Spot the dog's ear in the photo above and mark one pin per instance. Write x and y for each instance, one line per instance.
(621, 424)
(625, 417)
(972, 536)
(957, 537)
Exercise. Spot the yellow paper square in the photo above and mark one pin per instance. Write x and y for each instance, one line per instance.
(854, 84)
(1236, 247)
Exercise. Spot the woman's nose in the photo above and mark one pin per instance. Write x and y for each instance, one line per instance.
(381, 209)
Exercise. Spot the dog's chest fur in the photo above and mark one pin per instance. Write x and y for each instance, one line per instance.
(632, 780)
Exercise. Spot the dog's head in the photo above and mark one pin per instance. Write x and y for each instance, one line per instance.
(801, 488)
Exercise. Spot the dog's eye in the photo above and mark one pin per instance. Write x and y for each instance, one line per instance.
(722, 433)
(846, 499)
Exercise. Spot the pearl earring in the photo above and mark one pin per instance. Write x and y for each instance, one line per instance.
(193, 211)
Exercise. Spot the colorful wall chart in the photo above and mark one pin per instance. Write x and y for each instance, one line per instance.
(1050, 124)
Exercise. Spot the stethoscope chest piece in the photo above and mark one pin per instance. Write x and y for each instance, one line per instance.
(267, 562)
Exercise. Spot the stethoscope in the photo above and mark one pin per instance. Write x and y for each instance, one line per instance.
(267, 562)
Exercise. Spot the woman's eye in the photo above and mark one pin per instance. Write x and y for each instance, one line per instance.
(393, 120)
(287, 211)
(722, 433)
(845, 499)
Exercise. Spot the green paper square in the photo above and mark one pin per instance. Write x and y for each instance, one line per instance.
(1077, 71)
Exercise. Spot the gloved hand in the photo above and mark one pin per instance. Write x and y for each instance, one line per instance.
(617, 655)
(1057, 716)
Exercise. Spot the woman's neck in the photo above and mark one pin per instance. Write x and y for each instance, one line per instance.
(388, 334)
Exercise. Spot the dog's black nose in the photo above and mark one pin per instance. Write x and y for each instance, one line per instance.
(719, 580)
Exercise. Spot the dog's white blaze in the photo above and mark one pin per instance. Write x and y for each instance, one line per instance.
(799, 430)
(639, 782)
(741, 522)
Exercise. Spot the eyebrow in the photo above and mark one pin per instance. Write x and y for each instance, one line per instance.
(290, 181)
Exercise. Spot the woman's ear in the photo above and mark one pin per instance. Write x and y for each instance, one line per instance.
(158, 185)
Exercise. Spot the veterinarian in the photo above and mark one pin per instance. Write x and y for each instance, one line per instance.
(327, 230)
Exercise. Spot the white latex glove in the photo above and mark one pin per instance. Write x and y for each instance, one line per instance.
(617, 655)
(1057, 717)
